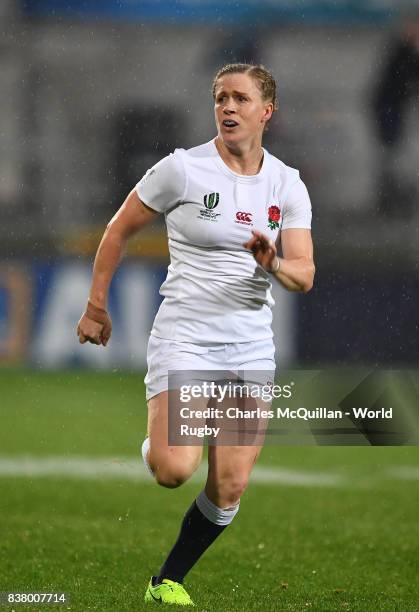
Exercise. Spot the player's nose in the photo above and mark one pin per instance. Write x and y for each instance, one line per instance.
(229, 106)
(229, 113)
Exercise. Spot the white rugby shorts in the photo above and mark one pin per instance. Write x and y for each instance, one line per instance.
(165, 355)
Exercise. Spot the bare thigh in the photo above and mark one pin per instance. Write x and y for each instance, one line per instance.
(172, 465)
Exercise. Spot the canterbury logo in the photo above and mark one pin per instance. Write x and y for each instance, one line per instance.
(211, 200)
(244, 217)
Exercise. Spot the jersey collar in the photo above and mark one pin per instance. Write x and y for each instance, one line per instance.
(241, 178)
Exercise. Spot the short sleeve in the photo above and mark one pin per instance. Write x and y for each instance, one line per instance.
(163, 186)
(297, 208)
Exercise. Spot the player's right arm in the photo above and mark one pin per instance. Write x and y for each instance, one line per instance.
(160, 189)
(95, 324)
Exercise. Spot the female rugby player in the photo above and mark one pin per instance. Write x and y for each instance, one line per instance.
(227, 203)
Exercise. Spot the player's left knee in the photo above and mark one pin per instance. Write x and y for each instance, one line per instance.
(230, 490)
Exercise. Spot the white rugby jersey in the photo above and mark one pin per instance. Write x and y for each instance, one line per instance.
(215, 292)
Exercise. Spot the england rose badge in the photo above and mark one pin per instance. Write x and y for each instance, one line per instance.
(274, 215)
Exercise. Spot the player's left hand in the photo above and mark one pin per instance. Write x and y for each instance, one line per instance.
(264, 251)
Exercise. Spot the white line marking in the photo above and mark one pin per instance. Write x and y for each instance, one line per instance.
(127, 468)
(262, 474)
(404, 472)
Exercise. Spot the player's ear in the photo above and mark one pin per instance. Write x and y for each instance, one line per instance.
(269, 109)
(268, 112)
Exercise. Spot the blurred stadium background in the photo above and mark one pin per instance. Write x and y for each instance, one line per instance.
(94, 93)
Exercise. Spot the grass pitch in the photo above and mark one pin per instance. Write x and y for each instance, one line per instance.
(295, 545)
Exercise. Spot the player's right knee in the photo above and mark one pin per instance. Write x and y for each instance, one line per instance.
(172, 476)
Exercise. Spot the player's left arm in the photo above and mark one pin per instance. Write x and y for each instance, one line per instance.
(295, 269)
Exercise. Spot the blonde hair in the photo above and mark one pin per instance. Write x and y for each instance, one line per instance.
(264, 79)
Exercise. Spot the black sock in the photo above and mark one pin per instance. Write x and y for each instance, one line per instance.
(196, 535)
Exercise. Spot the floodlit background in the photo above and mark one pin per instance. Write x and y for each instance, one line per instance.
(93, 94)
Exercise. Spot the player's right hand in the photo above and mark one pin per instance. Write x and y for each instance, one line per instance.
(95, 326)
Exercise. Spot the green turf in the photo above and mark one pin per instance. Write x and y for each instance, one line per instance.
(353, 547)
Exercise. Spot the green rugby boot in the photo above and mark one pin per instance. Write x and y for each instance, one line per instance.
(168, 592)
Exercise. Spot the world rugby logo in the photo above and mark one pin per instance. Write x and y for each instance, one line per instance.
(211, 200)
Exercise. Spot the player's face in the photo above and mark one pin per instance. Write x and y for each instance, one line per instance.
(240, 111)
